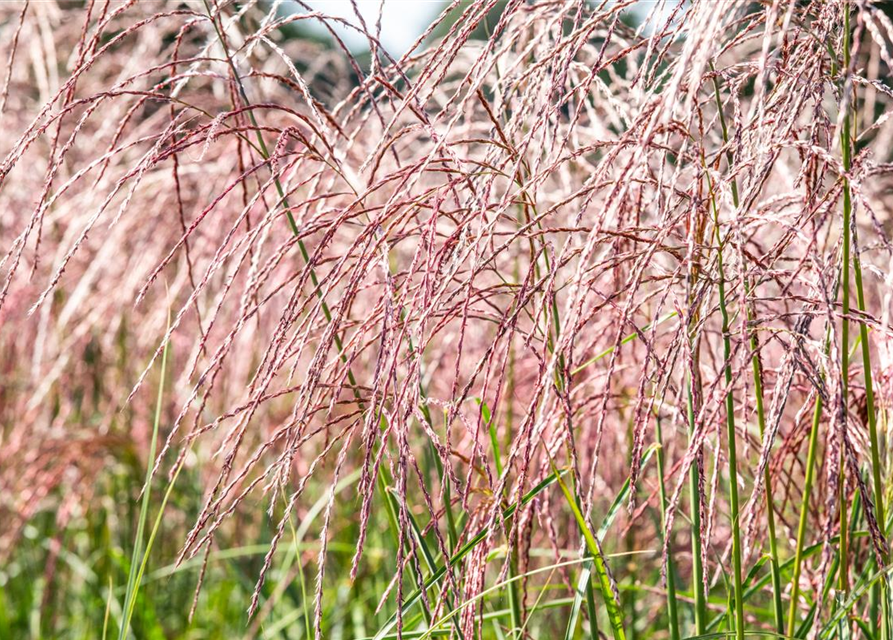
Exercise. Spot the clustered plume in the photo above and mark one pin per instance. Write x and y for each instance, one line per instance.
(532, 247)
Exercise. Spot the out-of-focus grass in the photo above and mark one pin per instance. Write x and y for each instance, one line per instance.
(96, 547)
(96, 551)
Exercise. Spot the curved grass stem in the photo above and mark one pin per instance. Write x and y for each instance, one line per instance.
(730, 427)
(756, 367)
(846, 141)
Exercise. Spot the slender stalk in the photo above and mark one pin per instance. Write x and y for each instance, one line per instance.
(730, 427)
(804, 513)
(507, 515)
(694, 485)
(767, 481)
(671, 577)
(615, 611)
(846, 152)
(846, 138)
(591, 611)
(809, 479)
(515, 604)
(845, 323)
(262, 148)
(756, 367)
(695, 503)
(138, 559)
(292, 223)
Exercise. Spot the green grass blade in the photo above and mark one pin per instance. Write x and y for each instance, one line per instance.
(581, 592)
(137, 560)
(584, 582)
(615, 611)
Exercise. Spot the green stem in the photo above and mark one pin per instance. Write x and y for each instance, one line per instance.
(293, 225)
(845, 324)
(758, 393)
(730, 427)
(804, 513)
(695, 504)
(591, 611)
(671, 577)
(615, 611)
(876, 472)
(767, 481)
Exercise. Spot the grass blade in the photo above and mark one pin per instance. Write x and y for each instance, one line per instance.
(138, 560)
(612, 604)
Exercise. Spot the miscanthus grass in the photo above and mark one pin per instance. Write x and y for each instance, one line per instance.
(572, 321)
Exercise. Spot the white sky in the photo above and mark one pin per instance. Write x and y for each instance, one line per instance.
(402, 21)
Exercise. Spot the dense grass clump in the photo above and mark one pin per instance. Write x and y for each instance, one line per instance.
(572, 322)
